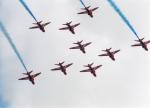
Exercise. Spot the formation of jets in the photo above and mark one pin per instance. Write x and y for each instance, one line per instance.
(30, 77)
(90, 69)
(69, 27)
(79, 45)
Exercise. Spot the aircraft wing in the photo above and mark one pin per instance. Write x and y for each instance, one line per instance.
(97, 67)
(103, 55)
(34, 27)
(136, 45)
(75, 25)
(94, 9)
(68, 65)
(35, 75)
(45, 24)
(87, 70)
(87, 44)
(56, 69)
(147, 42)
(77, 47)
(25, 78)
(114, 52)
(85, 12)
(65, 28)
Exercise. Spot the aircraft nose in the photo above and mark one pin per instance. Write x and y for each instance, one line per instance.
(65, 73)
(146, 49)
(113, 59)
(95, 75)
(83, 52)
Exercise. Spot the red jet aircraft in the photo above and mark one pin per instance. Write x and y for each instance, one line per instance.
(142, 43)
(110, 53)
(62, 68)
(81, 46)
(91, 69)
(40, 26)
(70, 27)
(88, 11)
(30, 77)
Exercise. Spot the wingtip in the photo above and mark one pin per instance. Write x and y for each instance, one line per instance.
(52, 70)
(100, 55)
(100, 65)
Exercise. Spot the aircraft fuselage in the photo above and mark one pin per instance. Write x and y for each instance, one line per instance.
(31, 79)
(111, 55)
(144, 46)
(63, 70)
(41, 27)
(89, 13)
(81, 48)
(71, 29)
(92, 71)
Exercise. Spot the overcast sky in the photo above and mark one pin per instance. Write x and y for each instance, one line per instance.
(124, 83)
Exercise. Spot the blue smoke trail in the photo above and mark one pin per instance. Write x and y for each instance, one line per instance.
(3, 104)
(112, 3)
(82, 3)
(27, 8)
(13, 45)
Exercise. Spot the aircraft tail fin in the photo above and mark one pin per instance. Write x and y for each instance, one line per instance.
(107, 49)
(60, 63)
(139, 39)
(86, 8)
(142, 39)
(68, 23)
(79, 42)
(28, 73)
(89, 65)
(38, 22)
